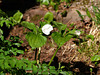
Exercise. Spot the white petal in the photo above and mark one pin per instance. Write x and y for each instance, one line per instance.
(77, 32)
(46, 29)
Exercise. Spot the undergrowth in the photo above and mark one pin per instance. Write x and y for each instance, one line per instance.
(37, 37)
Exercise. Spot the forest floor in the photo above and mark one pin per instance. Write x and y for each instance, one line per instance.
(69, 54)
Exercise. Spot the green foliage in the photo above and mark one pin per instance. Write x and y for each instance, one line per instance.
(17, 17)
(88, 13)
(54, 3)
(45, 2)
(90, 36)
(48, 17)
(30, 26)
(1, 35)
(67, 1)
(59, 39)
(10, 21)
(80, 15)
(36, 40)
(45, 69)
(95, 58)
(60, 26)
(97, 15)
(11, 47)
(11, 64)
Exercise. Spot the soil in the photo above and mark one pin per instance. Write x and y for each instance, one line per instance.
(68, 54)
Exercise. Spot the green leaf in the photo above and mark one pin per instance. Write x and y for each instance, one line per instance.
(29, 66)
(45, 73)
(1, 64)
(90, 36)
(54, 72)
(95, 58)
(8, 23)
(20, 51)
(72, 31)
(6, 64)
(88, 13)
(1, 35)
(60, 26)
(2, 22)
(80, 15)
(59, 39)
(12, 62)
(15, 53)
(66, 73)
(17, 44)
(52, 3)
(45, 2)
(35, 70)
(34, 62)
(19, 64)
(48, 17)
(6, 52)
(2, 73)
(30, 26)
(52, 68)
(36, 40)
(18, 16)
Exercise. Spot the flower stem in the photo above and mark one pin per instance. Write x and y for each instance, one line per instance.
(54, 55)
(37, 55)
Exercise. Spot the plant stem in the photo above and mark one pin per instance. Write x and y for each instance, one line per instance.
(54, 55)
(38, 55)
(36, 51)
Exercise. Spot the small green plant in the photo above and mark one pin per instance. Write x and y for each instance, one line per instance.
(9, 21)
(54, 3)
(97, 15)
(95, 58)
(13, 66)
(36, 38)
(11, 47)
(81, 16)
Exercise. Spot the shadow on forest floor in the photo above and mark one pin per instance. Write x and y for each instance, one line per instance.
(78, 68)
(13, 5)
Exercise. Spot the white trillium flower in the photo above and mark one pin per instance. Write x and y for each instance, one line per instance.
(46, 29)
(77, 32)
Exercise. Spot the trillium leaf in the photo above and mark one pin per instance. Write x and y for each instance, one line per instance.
(36, 40)
(48, 17)
(30, 26)
(45, 2)
(18, 16)
(60, 26)
(59, 39)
